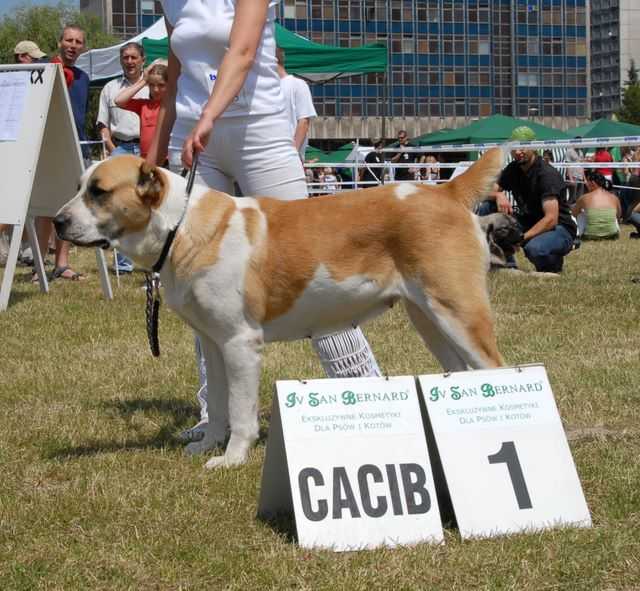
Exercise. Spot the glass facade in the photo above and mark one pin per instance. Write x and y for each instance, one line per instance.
(454, 58)
(130, 17)
(605, 57)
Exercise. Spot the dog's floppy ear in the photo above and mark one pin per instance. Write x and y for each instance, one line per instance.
(489, 232)
(150, 184)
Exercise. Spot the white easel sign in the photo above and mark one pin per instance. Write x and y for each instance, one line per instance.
(504, 452)
(349, 456)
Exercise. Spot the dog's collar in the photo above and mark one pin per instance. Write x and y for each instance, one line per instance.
(172, 233)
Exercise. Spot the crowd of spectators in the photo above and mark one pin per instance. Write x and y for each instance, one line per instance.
(122, 121)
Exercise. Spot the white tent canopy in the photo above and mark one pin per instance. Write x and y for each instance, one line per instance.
(102, 64)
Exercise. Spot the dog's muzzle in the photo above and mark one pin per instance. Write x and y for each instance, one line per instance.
(62, 223)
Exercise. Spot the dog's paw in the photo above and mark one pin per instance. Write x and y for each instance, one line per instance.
(225, 461)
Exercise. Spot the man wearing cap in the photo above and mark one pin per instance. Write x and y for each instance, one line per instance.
(27, 52)
(541, 206)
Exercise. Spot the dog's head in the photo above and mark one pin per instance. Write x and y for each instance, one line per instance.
(115, 198)
(504, 236)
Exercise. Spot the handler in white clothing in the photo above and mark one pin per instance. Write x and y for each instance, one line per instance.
(224, 101)
(298, 105)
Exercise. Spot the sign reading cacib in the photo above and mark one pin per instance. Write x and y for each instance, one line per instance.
(350, 458)
(506, 459)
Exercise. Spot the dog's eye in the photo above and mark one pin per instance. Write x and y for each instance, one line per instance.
(96, 190)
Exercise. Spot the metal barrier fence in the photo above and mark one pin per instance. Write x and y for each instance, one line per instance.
(557, 146)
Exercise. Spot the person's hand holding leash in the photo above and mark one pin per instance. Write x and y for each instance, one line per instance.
(196, 141)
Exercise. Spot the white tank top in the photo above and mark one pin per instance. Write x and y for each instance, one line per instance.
(200, 38)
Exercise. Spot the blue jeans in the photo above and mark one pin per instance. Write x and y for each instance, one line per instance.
(634, 220)
(486, 207)
(547, 250)
(122, 262)
(127, 148)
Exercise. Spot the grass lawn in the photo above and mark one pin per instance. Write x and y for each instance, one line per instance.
(95, 492)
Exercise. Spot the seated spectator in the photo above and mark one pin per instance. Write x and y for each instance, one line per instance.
(629, 177)
(373, 175)
(603, 155)
(575, 174)
(430, 172)
(598, 210)
(329, 181)
(403, 157)
(541, 207)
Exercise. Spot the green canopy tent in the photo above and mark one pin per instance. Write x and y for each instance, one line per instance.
(496, 128)
(305, 58)
(314, 154)
(604, 128)
(337, 156)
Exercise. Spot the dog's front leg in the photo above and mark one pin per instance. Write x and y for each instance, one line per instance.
(217, 399)
(242, 358)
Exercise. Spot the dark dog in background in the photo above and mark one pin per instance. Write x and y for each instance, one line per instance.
(504, 236)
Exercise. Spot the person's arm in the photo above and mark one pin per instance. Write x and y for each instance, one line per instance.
(246, 35)
(105, 134)
(104, 120)
(126, 94)
(498, 195)
(299, 135)
(578, 207)
(167, 112)
(551, 210)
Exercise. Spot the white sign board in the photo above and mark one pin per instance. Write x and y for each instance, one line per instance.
(40, 158)
(505, 455)
(14, 88)
(350, 458)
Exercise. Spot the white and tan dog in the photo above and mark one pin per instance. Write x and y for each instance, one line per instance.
(246, 271)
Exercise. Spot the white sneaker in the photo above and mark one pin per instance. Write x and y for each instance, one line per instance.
(196, 433)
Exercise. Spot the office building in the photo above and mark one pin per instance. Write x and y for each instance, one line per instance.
(450, 61)
(615, 41)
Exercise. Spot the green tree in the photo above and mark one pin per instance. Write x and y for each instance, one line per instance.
(630, 108)
(43, 25)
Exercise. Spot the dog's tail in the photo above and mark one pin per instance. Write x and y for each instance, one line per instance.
(477, 182)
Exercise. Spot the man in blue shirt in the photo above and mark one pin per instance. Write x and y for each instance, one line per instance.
(70, 45)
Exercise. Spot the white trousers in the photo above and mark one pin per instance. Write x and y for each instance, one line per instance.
(258, 154)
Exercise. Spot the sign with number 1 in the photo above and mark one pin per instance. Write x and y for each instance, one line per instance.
(506, 460)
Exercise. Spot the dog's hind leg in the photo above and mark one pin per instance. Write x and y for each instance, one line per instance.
(217, 399)
(435, 339)
(458, 331)
(242, 361)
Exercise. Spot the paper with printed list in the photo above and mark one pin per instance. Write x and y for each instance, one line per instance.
(14, 87)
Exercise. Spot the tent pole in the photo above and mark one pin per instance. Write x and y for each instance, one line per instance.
(385, 99)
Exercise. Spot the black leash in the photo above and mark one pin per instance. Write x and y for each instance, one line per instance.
(152, 279)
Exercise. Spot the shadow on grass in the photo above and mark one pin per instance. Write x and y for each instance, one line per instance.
(182, 416)
(283, 524)
(163, 439)
(180, 409)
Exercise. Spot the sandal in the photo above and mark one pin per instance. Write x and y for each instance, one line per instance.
(59, 273)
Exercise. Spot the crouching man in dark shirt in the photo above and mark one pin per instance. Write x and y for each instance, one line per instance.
(541, 207)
